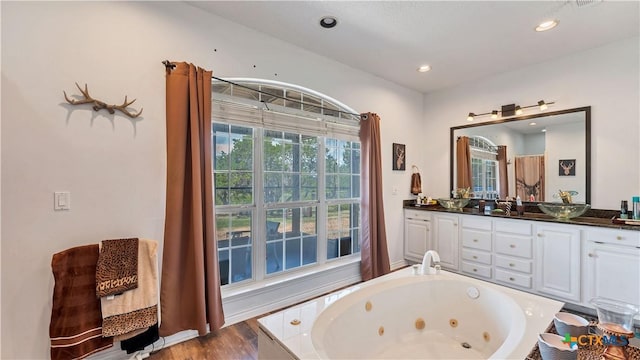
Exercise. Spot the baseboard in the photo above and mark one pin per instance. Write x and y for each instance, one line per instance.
(116, 353)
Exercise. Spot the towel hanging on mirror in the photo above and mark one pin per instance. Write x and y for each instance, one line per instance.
(416, 182)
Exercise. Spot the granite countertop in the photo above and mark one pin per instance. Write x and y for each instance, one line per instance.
(593, 217)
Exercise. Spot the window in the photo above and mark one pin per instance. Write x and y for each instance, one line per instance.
(286, 178)
(233, 183)
(342, 173)
(484, 168)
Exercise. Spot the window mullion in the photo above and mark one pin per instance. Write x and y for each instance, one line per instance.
(322, 203)
(259, 218)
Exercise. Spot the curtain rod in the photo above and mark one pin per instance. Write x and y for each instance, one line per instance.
(170, 66)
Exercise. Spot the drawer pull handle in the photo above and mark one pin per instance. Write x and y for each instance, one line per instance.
(475, 240)
(540, 235)
(475, 270)
(591, 255)
(619, 237)
(512, 279)
(512, 264)
(455, 224)
(475, 257)
(512, 246)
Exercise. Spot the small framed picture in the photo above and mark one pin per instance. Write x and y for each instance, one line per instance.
(567, 167)
(399, 157)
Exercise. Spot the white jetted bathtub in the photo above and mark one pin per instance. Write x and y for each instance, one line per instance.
(406, 316)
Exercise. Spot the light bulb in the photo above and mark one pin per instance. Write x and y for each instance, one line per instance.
(518, 110)
(542, 104)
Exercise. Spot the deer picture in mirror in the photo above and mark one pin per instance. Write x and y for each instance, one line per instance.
(519, 156)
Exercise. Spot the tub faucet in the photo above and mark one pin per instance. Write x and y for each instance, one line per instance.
(429, 257)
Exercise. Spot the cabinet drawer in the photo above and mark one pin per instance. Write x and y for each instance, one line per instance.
(514, 245)
(615, 236)
(475, 269)
(476, 256)
(513, 278)
(417, 214)
(476, 222)
(514, 264)
(514, 227)
(477, 239)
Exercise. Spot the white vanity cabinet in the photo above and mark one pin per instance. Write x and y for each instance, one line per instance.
(445, 239)
(417, 234)
(514, 253)
(612, 265)
(476, 239)
(568, 262)
(558, 261)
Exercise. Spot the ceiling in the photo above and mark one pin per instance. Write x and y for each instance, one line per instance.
(461, 40)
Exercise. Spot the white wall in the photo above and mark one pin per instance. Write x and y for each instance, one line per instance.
(113, 166)
(604, 78)
(562, 143)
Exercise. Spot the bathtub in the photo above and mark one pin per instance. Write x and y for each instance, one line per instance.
(406, 316)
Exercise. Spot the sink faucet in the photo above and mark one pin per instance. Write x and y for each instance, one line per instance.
(429, 257)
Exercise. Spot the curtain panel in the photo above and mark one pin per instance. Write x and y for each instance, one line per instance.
(463, 163)
(190, 289)
(502, 171)
(374, 251)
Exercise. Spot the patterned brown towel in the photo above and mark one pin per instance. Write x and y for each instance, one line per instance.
(117, 269)
(76, 321)
(137, 308)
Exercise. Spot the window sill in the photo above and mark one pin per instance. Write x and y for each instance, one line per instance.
(239, 289)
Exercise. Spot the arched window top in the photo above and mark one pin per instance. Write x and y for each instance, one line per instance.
(282, 96)
(483, 144)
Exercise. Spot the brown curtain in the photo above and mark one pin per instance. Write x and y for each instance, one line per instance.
(374, 252)
(190, 289)
(502, 171)
(530, 177)
(463, 163)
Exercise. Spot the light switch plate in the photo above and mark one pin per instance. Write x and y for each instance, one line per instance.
(61, 200)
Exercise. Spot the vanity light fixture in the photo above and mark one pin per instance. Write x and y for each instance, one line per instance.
(424, 68)
(547, 25)
(510, 110)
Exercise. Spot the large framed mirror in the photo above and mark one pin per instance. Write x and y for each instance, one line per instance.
(531, 156)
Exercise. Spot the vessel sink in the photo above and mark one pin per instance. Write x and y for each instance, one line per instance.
(563, 211)
(453, 204)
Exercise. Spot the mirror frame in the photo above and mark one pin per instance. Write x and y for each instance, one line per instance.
(586, 109)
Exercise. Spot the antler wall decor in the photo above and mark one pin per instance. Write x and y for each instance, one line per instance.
(97, 104)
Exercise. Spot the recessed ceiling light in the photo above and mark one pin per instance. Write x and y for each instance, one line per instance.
(547, 25)
(424, 68)
(544, 130)
(533, 123)
(328, 22)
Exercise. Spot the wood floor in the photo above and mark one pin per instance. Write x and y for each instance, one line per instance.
(235, 342)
